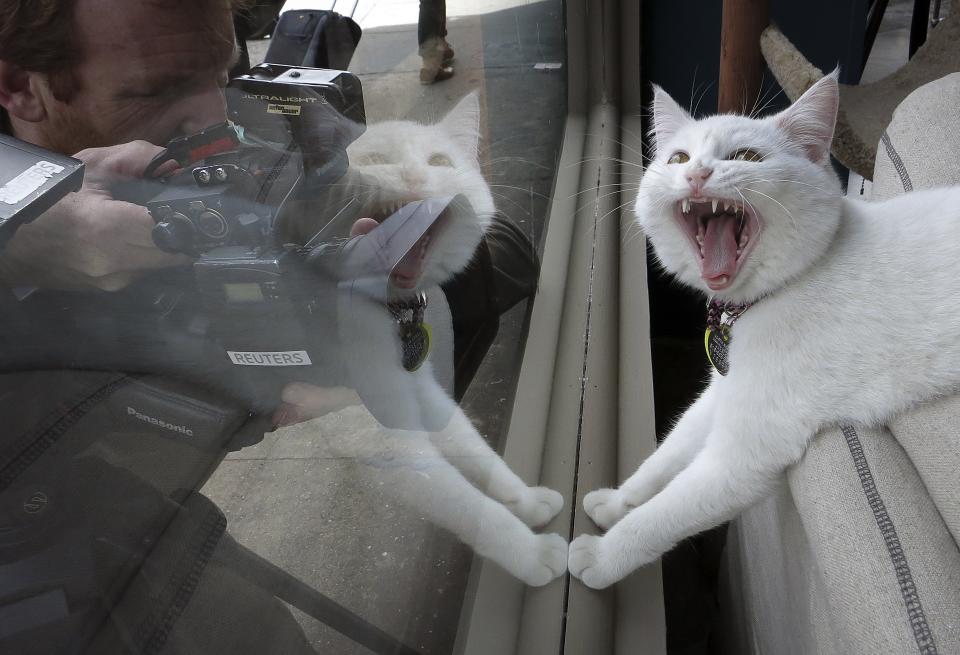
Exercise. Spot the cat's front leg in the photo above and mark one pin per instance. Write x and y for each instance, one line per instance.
(469, 452)
(607, 506)
(724, 479)
(434, 487)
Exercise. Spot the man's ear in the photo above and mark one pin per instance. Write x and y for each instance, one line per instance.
(19, 93)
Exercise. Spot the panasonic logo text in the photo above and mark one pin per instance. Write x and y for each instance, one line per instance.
(182, 429)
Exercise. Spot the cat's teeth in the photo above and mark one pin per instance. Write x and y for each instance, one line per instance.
(727, 205)
(685, 205)
(715, 203)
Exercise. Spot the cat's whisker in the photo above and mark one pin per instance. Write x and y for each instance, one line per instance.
(617, 141)
(599, 220)
(511, 201)
(787, 211)
(605, 159)
(521, 160)
(703, 94)
(620, 185)
(527, 191)
(813, 186)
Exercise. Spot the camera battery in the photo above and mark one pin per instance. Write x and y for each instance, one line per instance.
(32, 180)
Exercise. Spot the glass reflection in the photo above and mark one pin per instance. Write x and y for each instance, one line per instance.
(237, 361)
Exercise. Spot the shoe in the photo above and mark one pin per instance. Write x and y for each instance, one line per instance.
(435, 67)
(431, 75)
(447, 52)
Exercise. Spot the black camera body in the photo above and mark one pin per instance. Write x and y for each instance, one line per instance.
(261, 306)
(290, 130)
(270, 311)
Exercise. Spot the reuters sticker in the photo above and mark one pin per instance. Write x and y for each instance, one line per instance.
(286, 110)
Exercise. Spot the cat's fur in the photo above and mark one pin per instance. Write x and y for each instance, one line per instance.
(854, 321)
(452, 476)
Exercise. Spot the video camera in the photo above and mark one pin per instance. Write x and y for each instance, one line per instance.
(274, 307)
(256, 311)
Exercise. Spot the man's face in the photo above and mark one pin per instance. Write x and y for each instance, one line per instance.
(149, 69)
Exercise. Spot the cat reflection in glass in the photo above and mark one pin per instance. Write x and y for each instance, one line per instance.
(451, 475)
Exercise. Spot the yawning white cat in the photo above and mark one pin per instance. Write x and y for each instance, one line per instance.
(845, 313)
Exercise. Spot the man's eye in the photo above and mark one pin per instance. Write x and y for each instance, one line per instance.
(679, 157)
(746, 154)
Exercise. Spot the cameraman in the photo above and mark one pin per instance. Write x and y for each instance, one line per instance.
(110, 82)
(81, 76)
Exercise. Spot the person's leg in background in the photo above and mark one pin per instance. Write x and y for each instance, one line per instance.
(431, 35)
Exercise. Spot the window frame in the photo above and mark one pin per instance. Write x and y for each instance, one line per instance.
(583, 412)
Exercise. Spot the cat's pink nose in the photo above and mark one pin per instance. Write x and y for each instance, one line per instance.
(697, 177)
(412, 177)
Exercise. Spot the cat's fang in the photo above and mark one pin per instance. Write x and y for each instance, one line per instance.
(685, 205)
(714, 203)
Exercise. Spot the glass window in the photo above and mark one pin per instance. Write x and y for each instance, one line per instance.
(258, 375)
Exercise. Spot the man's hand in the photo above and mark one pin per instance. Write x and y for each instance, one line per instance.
(88, 239)
(302, 402)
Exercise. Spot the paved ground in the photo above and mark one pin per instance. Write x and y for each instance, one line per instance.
(327, 519)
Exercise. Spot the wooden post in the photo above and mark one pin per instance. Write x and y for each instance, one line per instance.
(741, 63)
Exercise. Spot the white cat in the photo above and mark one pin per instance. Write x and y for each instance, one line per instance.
(451, 475)
(853, 318)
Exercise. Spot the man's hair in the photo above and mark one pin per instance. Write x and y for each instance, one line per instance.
(38, 36)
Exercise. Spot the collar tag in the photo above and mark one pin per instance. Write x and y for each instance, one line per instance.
(415, 334)
(716, 340)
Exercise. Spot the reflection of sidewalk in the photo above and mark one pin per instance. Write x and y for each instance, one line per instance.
(327, 520)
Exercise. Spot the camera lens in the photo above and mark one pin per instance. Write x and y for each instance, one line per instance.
(212, 224)
(174, 234)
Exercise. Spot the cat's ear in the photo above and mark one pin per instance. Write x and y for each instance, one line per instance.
(810, 121)
(463, 123)
(668, 117)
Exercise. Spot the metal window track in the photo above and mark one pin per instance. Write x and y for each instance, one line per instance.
(583, 413)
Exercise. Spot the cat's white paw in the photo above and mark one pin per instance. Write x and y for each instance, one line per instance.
(606, 506)
(549, 560)
(536, 506)
(587, 563)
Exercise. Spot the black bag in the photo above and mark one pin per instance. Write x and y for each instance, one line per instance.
(317, 39)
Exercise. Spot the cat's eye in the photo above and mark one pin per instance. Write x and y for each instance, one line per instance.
(438, 159)
(746, 154)
(369, 159)
(679, 157)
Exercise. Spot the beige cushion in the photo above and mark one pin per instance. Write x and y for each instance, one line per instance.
(930, 435)
(850, 556)
(921, 147)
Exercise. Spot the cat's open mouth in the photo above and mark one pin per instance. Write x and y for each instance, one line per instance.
(406, 274)
(722, 233)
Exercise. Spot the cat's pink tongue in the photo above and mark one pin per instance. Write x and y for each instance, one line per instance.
(720, 249)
